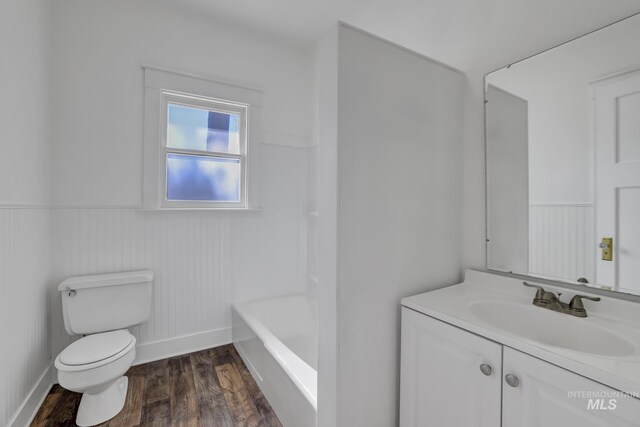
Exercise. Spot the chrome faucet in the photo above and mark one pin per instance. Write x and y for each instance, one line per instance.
(551, 301)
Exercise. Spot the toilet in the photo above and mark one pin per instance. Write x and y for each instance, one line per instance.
(100, 308)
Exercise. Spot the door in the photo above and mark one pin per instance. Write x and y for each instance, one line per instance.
(449, 377)
(507, 119)
(546, 395)
(617, 182)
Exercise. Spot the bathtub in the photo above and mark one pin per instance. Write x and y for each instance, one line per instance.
(278, 340)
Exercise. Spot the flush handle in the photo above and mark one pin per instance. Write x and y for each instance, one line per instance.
(71, 292)
(512, 380)
(486, 369)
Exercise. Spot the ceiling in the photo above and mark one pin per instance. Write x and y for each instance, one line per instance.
(458, 32)
(300, 20)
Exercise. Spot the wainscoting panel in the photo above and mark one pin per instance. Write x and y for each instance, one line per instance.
(24, 305)
(187, 251)
(561, 241)
(202, 260)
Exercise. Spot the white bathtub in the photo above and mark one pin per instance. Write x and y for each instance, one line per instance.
(278, 340)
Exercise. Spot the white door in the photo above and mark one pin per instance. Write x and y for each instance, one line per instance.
(548, 396)
(449, 377)
(617, 183)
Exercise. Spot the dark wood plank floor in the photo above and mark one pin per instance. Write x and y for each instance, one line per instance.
(208, 388)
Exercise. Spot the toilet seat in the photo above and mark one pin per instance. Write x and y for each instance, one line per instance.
(95, 350)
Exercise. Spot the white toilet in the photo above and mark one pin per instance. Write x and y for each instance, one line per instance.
(101, 307)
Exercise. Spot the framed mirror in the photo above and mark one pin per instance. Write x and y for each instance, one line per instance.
(563, 161)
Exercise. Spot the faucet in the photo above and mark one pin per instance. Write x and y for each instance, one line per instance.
(551, 301)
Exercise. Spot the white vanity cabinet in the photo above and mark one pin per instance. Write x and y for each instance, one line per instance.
(546, 395)
(445, 382)
(441, 382)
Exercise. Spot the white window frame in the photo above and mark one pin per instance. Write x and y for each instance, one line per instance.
(165, 87)
(242, 110)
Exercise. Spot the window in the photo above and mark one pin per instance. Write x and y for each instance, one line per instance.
(197, 146)
(203, 150)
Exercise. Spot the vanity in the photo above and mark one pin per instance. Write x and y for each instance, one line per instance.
(480, 353)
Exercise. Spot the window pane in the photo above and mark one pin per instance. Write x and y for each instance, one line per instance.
(202, 129)
(212, 179)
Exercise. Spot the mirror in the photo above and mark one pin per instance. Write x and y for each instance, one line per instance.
(563, 161)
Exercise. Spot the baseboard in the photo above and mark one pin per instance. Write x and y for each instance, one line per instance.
(157, 350)
(32, 403)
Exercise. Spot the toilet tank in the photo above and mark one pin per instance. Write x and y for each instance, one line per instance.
(104, 302)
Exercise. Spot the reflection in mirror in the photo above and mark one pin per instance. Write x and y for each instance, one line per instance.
(563, 161)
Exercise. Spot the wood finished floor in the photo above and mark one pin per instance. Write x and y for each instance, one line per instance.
(208, 388)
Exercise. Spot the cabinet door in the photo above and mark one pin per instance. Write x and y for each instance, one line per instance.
(547, 395)
(441, 382)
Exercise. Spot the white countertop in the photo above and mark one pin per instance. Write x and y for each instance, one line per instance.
(451, 305)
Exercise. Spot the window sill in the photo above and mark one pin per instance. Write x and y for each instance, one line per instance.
(199, 209)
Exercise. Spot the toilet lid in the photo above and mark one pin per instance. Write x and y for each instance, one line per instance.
(97, 347)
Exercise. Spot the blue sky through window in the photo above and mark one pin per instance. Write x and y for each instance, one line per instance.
(201, 129)
(215, 179)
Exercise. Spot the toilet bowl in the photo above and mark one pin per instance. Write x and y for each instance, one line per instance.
(100, 308)
(94, 366)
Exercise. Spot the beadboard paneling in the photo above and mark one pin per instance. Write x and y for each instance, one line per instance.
(187, 251)
(561, 241)
(202, 260)
(24, 304)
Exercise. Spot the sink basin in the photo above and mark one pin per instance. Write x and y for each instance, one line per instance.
(553, 329)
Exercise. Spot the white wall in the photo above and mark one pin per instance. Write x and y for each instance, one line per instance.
(326, 129)
(24, 199)
(560, 148)
(478, 37)
(100, 48)
(203, 260)
(556, 85)
(24, 134)
(398, 210)
(313, 230)
(507, 181)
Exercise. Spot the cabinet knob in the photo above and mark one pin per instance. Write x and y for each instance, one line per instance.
(486, 369)
(512, 380)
